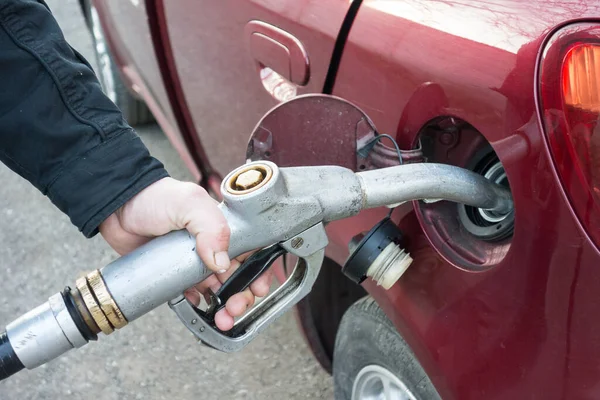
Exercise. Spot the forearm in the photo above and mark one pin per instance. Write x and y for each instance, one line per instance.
(57, 129)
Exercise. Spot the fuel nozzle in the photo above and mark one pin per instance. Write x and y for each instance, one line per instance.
(378, 255)
(289, 206)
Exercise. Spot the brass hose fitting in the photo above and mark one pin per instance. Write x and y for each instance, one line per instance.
(105, 300)
(98, 301)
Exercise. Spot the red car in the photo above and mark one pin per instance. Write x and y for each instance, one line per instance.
(494, 306)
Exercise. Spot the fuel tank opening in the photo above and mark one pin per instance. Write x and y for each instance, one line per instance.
(470, 238)
(486, 224)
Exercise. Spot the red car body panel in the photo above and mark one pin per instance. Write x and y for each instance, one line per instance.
(525, 325)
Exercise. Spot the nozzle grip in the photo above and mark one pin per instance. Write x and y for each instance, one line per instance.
(154, 273)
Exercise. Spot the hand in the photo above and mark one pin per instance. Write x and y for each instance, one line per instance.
(169, 205)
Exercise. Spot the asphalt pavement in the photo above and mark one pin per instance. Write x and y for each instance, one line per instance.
(153, 358)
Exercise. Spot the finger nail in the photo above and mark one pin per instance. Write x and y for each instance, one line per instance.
(221, 271)
(222, 260)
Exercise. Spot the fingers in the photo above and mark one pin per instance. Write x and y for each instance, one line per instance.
(193, 296)
(223, 320)
(119, 239)
(223, 276)
(239, 303)
(211, 282)
(235, 307)
(260, 287)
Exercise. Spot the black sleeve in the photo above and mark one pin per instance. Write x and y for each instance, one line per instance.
(57, 129)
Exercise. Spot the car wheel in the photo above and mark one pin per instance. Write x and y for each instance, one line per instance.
(372, 361)
(134, 110)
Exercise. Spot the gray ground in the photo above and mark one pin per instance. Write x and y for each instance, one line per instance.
(153, 358)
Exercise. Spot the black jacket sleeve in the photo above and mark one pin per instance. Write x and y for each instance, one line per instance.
(57, 129)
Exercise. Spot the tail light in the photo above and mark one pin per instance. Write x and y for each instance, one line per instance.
(570, 102)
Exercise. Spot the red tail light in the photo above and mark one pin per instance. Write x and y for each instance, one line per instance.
(570, 101)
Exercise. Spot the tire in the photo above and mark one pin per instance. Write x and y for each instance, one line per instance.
(368, 352)
(134, 110)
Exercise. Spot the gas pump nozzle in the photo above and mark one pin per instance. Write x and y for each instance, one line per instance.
(285, 208)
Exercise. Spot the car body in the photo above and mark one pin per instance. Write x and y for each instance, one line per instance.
(513, 318)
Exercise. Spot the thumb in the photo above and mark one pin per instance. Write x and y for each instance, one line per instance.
(206, 222)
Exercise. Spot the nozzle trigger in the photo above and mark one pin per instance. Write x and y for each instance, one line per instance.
(243, 277)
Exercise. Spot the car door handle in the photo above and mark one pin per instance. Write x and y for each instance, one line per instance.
(278, 50)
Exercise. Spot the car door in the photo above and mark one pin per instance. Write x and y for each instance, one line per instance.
(129, 35)
(237, 59)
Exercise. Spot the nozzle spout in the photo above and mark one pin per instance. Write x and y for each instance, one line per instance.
(433, 181)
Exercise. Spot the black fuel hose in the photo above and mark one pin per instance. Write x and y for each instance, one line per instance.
(9, 362)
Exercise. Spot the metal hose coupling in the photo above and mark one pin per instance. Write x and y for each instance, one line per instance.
(69, 319)
(99, 304)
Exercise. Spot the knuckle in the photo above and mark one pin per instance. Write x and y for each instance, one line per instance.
(193, 190)
(223, 231)
(217, 233)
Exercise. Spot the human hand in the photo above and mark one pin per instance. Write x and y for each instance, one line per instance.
(169, 205)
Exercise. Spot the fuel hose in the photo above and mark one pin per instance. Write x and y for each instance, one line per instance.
(9, 362)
